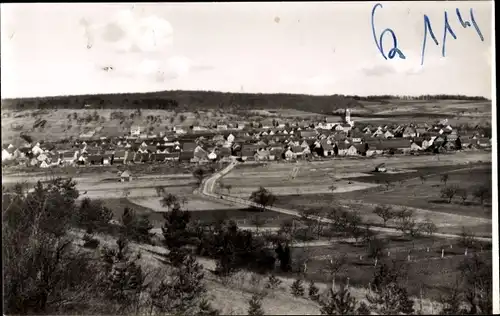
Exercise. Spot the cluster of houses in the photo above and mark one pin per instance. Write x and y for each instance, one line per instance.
(324, 139)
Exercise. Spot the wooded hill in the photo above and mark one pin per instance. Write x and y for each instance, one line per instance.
(186, 101)
(204, 100)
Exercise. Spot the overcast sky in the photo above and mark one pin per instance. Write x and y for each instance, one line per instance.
(312, 48)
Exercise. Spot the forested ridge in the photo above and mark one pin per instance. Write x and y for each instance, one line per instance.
(200, 100)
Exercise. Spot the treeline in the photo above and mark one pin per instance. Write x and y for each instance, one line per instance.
(420, 97)
(187, 101)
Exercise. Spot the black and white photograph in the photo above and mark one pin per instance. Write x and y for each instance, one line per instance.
(249, 158)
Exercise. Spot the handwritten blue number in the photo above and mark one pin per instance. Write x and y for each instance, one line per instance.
(427, 29)
(466, 24)
(447, 28)
(394, 50)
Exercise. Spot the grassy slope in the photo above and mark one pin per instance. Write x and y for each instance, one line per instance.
(232, 296)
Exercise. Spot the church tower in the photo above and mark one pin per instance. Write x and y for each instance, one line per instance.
(347, 116)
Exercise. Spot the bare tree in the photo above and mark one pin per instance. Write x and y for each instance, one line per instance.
(482, 192)
(263, 197)
(385, 212)
(333, 266)
(422, 178)
(462, 192)
(199, 174)
(444, 178)
(449, 192)
(312, 219)
(332, 188)
(428, 227)
(408, 225)
(258, 222)
(228, 188)
(388, 184)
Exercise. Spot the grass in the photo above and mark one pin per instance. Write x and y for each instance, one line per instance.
(74, 171)
(426, 269)
(424, 198)
(243, 217)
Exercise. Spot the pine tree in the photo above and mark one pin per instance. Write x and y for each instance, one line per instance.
(273, 282)
(255, 306)
(313, 291)
(339, 303)
(363, 309)
(124, 278)
(181, 293)
(297, 288)
(391, 299)
(206, 309)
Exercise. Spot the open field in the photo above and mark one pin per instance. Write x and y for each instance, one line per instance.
(466, 108)
(423, 198)
(211, 212)
(99, 171)
(406, 190)
(322, 174)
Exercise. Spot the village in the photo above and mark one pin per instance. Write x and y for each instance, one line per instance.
(254, 142)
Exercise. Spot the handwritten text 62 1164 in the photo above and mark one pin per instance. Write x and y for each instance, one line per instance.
(396, 51)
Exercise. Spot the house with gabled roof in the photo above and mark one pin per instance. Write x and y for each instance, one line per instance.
(484, 142)
(409, 132)
(275, 153)
(374, 148)
(174, 156)
(199, 154)
(416, 145)
(326, 148)
(342, 149)
(262, 155)
(352, 150)
(308, 134)
(388, 134)
(119, 157)
(289, 155)
(108, 157)
(247, 153)
(189, 146)
(95, 159)
(6, 155)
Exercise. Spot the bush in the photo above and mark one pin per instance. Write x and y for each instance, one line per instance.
(255, 306)
(313, 291)
(136, 227)
(338, 303)
(92, 214)
(297, 288)
(89, 242)
(273, 282)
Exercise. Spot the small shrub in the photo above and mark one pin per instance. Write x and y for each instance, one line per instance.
(89, 242)
(297, 288)
(255, 306)
(273, 282)
(313, 291)
(363, 309)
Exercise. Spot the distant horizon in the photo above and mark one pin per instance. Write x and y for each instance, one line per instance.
(256, 93)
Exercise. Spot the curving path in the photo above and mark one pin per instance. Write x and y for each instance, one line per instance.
(208, 186)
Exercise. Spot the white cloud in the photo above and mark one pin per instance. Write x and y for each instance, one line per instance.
(136, 46)
(127, 31)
